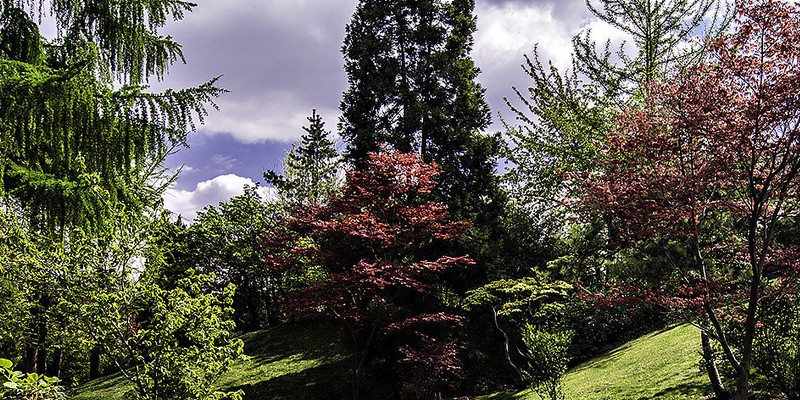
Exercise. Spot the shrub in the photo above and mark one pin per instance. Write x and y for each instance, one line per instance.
(547, 359)
(19, 385)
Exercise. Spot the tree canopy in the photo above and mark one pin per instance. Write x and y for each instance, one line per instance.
(710, 159)
(78, 130)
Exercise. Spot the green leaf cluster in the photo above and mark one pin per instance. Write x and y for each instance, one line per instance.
(19, 385)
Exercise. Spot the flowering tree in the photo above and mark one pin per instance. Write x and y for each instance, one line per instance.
(370, 246)
(712, 159)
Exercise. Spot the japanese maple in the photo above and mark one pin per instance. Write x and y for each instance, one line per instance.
(368, 244)
(711, 158)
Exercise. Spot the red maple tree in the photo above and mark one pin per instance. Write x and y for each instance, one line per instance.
(369, 245)
(711, 158)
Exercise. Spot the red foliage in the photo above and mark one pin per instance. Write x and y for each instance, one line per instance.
(712, 158)
(370, 242)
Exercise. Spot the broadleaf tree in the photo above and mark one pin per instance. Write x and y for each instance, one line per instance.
(710, 159)
(564, 115)
(368, 243)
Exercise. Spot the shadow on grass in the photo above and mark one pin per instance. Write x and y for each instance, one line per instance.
(324, 382)
(677, 391)
(110, 387)
(309, 340)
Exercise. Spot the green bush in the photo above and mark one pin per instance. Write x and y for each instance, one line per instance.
(547, 358)
(19, 385)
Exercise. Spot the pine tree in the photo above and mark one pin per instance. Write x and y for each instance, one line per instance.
(78, 130)
(310, 169)
(412, 87)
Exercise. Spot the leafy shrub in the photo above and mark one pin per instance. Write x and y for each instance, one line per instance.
(548, 356)
(19, 385)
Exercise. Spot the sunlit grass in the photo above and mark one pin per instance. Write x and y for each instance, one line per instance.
(290, 361)
(660, 365)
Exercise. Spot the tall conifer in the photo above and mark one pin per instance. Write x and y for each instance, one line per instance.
(311, 167)
(412, 87)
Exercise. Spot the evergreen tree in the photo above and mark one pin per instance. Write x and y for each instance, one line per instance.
(564, 116)
(412, 87)
(76, 122)
(310, 169)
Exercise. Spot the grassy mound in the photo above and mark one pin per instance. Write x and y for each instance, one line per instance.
(660, 365)
(290, 361)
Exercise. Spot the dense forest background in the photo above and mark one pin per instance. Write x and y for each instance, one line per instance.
(652, 184)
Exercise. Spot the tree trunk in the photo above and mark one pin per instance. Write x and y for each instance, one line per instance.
(54, 368)
(720, 393)
(29, 364)
(41, 356)
(506, 348)
(743, 382)
(94, 363)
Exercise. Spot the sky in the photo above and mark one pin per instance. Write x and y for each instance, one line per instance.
(280, 59)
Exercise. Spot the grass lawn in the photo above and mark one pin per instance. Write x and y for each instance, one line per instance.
(290, 361)
(660, 365)
(304, 361)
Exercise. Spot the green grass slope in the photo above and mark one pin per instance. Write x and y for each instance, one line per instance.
(290, 361)
(660, 365)
(304, 361)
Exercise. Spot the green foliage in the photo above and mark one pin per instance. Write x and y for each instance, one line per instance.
(19, 385)
(564, 116)
(66, 130)
(40, 275)
(666, 35)
(514, 304)
(290, 361)
(310, 169)
(225, 240)
(777, 347)
(547, 358)
(171, 344)
(520, 299)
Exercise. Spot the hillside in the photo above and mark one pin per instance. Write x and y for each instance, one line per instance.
(304, 362)
(290, 361)
(660, 365)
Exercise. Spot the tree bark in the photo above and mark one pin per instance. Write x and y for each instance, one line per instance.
(29, 364)
(54, 368)
(506, 348)
(720, 393)
(41, 356)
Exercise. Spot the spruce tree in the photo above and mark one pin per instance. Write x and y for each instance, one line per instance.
(310, 169)
(412, 87)
(78, 130)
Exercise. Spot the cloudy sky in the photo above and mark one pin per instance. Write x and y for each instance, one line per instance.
(281, 58)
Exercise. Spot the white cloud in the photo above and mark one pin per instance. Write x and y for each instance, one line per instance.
(508, 31)
(278, 58)
(211, 192)
(272, 116)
